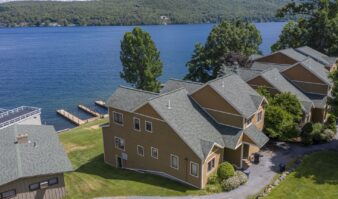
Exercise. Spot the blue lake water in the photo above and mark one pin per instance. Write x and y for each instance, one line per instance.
(62, 67)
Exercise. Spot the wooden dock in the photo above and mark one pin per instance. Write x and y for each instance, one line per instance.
(90, 111)
(101, 103)
(71, 117)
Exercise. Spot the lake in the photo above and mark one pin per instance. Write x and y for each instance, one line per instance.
(61, 67)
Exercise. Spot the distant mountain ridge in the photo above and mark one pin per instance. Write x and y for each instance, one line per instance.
(134, 12)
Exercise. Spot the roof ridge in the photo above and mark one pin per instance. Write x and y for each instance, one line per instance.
(218, 78)
(186, 81)
(139, 90)
(167, 93)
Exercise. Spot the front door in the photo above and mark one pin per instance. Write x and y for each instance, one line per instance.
(119, 162)
(246, 151)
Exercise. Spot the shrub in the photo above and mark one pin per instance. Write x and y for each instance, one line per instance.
(307, 128)
(213, 179)
(327, 135)
(316, 132)
(230, 183)
(331, 123)
(307, 136)
(243, 178)
(214, 188)
(225, 171)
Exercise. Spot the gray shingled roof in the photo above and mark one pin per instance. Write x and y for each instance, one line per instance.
(262, 66)
(187, 120)
(282, 85)
(259, 138)
(238, 93)
(317, 69)
(125, 98)
(319, 101)
(174, 84)
(316, 55)
(290, 52)
(26, 160)
(248, 74)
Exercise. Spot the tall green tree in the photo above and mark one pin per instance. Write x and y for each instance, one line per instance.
(289, 103)
(317, 26)
(227, 37)
(333, 99)
(141, 60)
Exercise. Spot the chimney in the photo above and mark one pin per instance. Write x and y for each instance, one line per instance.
(22, 138)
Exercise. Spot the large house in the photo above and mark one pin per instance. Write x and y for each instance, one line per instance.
(305, 69)
(32, 163)
(187, 130)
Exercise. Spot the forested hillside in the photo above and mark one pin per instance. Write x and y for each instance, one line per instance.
(136, 12)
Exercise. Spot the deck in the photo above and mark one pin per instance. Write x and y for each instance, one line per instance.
(76, 120)
(9, 117)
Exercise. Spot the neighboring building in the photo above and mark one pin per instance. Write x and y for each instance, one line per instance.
(32, 163)
(275, 83)
(185, 132)
(304, 72)
(20, 115)
(329, 62)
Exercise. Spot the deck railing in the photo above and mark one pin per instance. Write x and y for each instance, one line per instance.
(19, 118)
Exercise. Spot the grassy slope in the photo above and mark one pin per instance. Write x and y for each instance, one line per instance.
(316, 178)
(93, 178)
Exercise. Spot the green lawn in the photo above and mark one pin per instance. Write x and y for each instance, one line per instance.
(92, 178)
(315, 178)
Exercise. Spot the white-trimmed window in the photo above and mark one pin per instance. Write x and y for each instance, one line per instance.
(194, 169)
(174, 161)
(211, 164)
(154, 152)
(259, 116)
(118, 118)
(8, 194)
(140, 150)
(148, 126)
(248, 121)
(137, 124)
(119, 143)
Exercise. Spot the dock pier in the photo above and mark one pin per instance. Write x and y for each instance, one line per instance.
(90, 111)
(76, 120)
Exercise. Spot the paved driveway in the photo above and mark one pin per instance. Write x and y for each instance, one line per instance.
(261, 174)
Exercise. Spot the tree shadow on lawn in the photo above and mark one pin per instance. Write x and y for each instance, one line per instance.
(320, 167)
(96, 166)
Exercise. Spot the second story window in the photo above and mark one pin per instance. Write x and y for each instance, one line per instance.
(149, 126)
(137, 125)
(140, 150)
(259, 116)
(248, 121)
(119, 143)
(118, 118)
(211, 164)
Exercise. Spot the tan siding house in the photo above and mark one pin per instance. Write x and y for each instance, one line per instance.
(179, 133)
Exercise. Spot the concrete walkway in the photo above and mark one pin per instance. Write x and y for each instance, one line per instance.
(261, 174)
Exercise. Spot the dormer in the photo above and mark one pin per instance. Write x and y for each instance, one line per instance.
(230, 101)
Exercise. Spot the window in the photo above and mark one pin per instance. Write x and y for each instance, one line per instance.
(248, 121)
(53, 181)
(137, 126)
(149, 126)
(33, 187)
(140, 150)
(259, 116)
(194, 169)
(118, 118)
(119, 143)
(154, 152)
(44, 185)
(211, 164)
(8, 194)
(174, 161)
